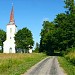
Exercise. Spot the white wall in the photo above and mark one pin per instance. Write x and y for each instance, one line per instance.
(9, 44)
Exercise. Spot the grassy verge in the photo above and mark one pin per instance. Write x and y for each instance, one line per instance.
(16, 64)
(71, 57)
(67, 66)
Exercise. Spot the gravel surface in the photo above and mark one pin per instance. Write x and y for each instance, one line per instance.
(48, 66)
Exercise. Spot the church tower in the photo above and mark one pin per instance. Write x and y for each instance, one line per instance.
(9, 44)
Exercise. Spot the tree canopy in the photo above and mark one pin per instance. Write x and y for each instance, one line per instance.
(70, 6)
(59, 34)
(24, 39)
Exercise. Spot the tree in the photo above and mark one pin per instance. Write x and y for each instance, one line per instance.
(36, 47)
(67, 25)
(24, 39)
(70, 6)
(59, 34)
(47, 38)
(2, 38)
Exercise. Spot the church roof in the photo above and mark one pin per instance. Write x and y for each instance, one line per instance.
(12, 15)
(12, 21)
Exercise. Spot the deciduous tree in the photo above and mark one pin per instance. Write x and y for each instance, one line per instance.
(24, 39)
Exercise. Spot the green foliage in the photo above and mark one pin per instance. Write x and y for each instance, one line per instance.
(59, 34)
(70, 6)
(17, 64)
(67, 66)
(66, 25)
(2, 38)
(37, 48)
(1, 51)
(47, 37)
(71, 55)
(23, 39)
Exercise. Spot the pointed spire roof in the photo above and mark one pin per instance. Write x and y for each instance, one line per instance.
(12, 15)
(12, 21)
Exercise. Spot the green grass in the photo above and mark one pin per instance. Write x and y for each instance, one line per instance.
(71, 57)
(67, 66)
(17, 64)
(68, 61)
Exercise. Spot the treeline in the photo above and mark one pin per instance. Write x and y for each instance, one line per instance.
(59, 35)
(23, 40)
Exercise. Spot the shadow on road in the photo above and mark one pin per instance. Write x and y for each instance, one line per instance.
(56, 54)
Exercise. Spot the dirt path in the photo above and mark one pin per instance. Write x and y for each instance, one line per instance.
(48, 66)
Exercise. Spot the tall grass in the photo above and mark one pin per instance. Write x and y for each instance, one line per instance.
(68, 61)
(67, 66)
(16, 64)
(71, 57)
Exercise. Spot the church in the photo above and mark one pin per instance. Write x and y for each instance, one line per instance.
(9, 43)
(11, 30)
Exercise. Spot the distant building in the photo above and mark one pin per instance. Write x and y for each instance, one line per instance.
(9, 44)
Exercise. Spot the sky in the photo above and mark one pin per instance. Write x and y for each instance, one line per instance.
(30, 14)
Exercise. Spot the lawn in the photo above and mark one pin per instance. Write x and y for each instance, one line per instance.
(17, 64)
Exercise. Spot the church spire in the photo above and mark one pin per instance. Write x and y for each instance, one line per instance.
(12, 14)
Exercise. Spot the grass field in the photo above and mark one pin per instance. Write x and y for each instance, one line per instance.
(67, 63)
(17, 64)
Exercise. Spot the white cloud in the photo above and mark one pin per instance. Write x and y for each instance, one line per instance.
(45, 19)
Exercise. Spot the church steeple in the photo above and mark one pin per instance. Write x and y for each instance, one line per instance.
(12, 15)
(9, 44)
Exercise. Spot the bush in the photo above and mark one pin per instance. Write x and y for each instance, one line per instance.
(71, 57)
(1, 51)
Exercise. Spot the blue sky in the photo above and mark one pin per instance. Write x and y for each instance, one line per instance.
(30, 13)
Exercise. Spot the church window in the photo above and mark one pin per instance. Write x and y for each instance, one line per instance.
(10, 30)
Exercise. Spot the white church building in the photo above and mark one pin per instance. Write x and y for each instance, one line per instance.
(9, 43)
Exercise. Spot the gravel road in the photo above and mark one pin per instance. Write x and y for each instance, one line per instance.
(48, 66)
